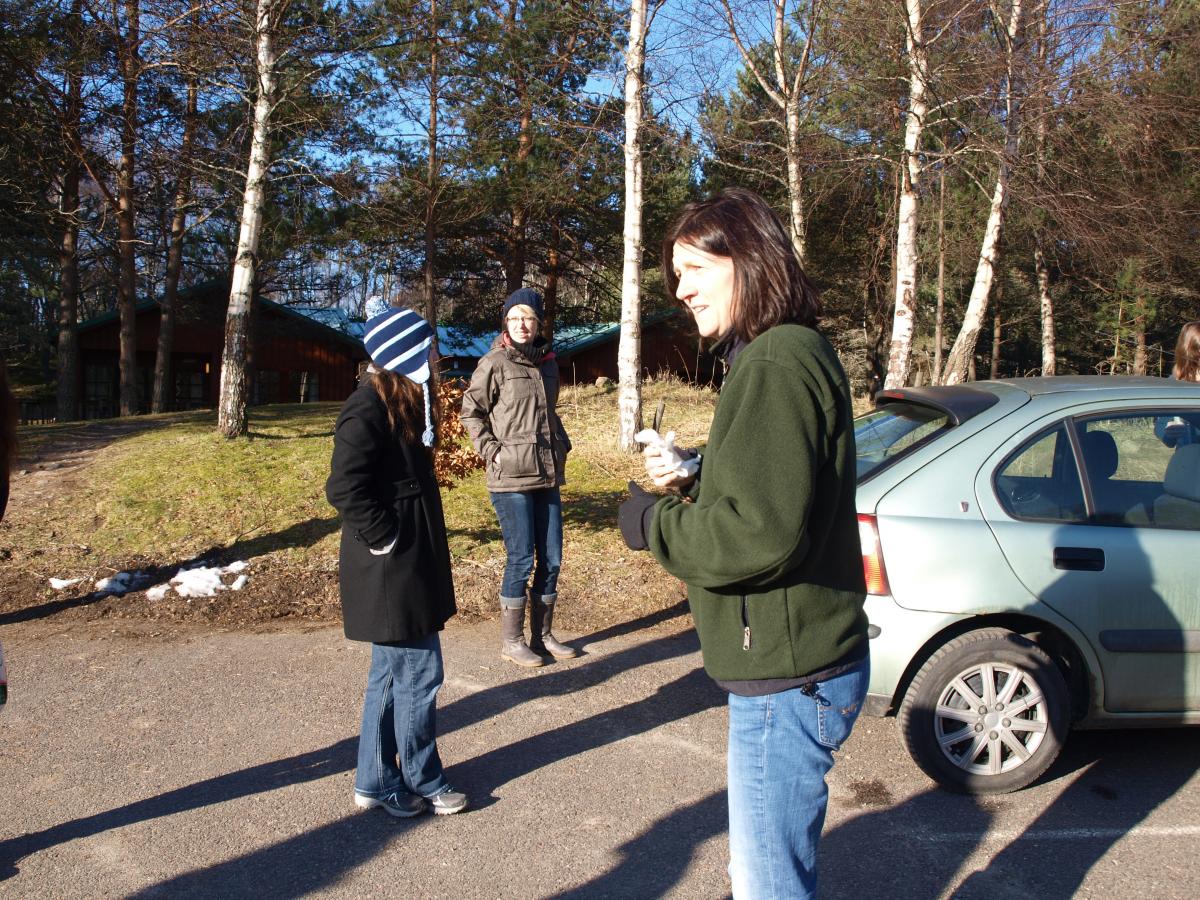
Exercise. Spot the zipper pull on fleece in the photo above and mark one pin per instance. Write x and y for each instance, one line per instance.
(746, 638)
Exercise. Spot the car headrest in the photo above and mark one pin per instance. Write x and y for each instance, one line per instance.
(1099, 453)
(1183, 473)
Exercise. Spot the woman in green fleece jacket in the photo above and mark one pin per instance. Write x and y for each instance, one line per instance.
(766, 537)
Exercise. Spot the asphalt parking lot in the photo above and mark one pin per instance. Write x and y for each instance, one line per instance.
(139, 764)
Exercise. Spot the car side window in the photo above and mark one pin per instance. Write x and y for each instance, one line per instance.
(1136, 475)
(1040, 480)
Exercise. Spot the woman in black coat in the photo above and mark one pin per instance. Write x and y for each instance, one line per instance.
(396, 588)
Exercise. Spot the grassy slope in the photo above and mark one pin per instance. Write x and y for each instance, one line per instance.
(176, 489)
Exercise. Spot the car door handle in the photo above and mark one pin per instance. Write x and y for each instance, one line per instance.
(1079, 559)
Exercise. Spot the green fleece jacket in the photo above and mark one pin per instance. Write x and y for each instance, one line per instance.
(769, 549)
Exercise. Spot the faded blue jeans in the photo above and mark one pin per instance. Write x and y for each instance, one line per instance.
(399, 721)
(780, 749)
(531, 523)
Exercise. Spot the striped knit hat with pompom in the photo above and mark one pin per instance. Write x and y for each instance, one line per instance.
(399, 340)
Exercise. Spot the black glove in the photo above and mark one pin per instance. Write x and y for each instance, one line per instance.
(635, 516)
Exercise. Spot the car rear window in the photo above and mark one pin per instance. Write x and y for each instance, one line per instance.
(893, 430)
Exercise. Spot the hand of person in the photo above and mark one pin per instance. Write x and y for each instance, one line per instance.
(634, 516)
(666, 465)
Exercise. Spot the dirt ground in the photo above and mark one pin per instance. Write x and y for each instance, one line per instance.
(279, 593)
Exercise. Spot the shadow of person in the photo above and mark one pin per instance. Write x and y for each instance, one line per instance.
(913, 850)
(295, 867)
(656, 860)
(304, 767)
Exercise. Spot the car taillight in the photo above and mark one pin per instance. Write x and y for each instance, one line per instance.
(872, 556)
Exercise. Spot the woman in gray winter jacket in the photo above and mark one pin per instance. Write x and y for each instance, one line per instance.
(509, 411)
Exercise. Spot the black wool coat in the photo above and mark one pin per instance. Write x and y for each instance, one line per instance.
(385, 488)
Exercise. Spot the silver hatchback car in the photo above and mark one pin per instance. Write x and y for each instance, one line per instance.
(1032, 550)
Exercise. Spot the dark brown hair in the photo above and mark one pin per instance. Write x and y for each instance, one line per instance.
(8, 423)
(769, 285)
(1187, 353)
(405, 403)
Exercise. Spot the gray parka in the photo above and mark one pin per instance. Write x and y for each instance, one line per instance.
(509, 411)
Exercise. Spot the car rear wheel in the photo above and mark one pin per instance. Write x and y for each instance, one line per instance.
(987, 713)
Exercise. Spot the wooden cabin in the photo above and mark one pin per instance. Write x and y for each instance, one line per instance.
(294, 357)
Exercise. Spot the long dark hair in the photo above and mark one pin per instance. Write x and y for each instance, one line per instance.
(8, 423)
(405, 403)
(1187, 353)
(769, 285)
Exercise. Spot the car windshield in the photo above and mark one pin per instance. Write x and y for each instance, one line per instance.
(894, 429)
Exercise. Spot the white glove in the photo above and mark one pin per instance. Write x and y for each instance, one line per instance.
(664, 463)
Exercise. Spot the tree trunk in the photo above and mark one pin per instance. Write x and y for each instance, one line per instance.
(68, 305)
(550, 296)
(629, 352)
(166, 323)
(231, 416)
(68, 257)
(790, 93)
(126, 212)
(968, 335)
(432, 174)
(940, 315)
(907, 215)
(997, 330)
(1049, 360)
(784, 92)
(514, 273)
(1139, 335)
(1046, 300)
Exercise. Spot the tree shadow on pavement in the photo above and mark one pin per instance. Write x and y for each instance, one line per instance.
(915, 849)
(323, 855)
(299, 534)
(649, 620)
(1129, 774)
(918, 847)
(683, 697)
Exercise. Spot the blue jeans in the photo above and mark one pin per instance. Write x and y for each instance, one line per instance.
(400, 720)
(780, 749)
(531, 523)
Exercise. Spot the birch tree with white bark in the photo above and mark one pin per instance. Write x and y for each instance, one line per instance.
(629, 350)
(231, 407)
(786, 86)
(958, 362)
(904, 314)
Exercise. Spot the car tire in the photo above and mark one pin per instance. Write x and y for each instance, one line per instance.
(987, 713)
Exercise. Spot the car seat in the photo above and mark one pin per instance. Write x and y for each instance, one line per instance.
(1179, 506)
(1100, 460)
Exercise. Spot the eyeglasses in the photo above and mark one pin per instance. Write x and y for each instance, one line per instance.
(528, 320)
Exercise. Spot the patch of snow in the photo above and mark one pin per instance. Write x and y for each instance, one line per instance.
(60, 583)
(205, 581)
(121, 583)
(200, 582)
(158, 591)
